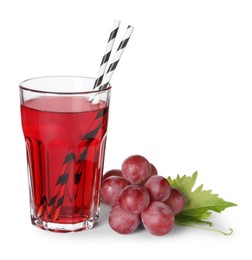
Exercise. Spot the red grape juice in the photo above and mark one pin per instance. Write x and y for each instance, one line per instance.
(65, 140)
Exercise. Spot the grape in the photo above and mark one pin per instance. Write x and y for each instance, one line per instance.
(158, 218)
(136, 169)
(158, 188)
(111, 187)
(114, 172)
(153, 170)
(123, 222)
(176, 201)
(134, 198)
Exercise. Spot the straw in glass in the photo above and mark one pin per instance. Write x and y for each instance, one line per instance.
(101, 83)
(107, 77)
(107, 53)
(116, 58)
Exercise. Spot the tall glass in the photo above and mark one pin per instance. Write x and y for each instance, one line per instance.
(64, 123)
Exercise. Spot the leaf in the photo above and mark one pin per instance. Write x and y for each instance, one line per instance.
(199, 203)
(183, 219)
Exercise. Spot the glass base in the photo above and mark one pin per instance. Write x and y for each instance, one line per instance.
(63, 228)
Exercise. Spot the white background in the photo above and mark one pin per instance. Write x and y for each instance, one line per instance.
(181, 97)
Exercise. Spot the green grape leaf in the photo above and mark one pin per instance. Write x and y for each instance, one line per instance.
(199, 203)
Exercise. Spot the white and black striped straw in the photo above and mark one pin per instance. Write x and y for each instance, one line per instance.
(116, 59)
(107, 53)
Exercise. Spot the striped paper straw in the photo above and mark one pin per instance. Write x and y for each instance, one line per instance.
(107, 53)
(116, 58)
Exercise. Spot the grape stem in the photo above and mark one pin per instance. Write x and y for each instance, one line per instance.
(230, 231)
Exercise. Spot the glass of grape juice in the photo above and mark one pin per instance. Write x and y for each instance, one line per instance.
(64, 123)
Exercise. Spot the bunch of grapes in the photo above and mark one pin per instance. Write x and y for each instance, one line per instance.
(137, 195)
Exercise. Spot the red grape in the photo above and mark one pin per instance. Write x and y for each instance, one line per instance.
(114, 172)
(158, 188)
(153, 170)
(176, 201)
(134, 198)
(111, 187)
(123, 222)
(158, 218)
(136, 169)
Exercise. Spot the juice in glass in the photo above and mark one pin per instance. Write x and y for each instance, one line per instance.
(65, 136)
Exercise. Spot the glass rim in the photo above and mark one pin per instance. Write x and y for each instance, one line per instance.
(22, 87)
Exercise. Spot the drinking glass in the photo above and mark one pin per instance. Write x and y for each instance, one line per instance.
(64, 122)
